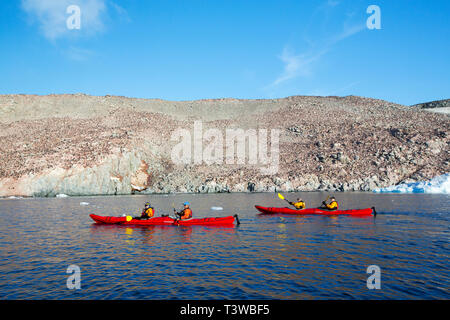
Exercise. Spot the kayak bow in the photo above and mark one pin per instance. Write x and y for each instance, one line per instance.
(317, 211)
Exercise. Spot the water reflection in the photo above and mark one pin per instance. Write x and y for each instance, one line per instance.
(266, 257)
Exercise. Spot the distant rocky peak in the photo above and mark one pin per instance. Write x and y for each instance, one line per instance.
(434, 104)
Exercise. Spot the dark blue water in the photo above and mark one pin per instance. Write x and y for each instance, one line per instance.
(266, 257)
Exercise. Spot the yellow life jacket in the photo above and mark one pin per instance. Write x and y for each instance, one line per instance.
(299, 205)
(333, 205)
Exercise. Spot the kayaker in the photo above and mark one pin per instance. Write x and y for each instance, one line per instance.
(333, 205)
(300, 204)
(147, 213)
(186, 213)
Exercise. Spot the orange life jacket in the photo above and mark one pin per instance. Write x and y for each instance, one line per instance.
(187, 214)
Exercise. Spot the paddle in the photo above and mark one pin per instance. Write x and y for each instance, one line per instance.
(129, 218)
(168, 215)
(374, 212)
(282, 198)
(174, 211)
(324, 202)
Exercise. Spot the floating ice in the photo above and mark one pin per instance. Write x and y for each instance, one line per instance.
(216, 208)
(62, 195)
(439, 184)
(84, 203)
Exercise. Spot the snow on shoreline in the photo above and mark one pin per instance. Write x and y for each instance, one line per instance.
(437, 185)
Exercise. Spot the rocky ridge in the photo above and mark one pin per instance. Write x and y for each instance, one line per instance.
(86, 145)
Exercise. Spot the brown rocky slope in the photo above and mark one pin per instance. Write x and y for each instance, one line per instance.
(87, 145)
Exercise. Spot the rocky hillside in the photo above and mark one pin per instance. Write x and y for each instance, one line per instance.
(86, 145)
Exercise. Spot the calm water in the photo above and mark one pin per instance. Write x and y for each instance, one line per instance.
(266, 257)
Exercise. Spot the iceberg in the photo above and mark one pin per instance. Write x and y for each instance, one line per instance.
(62, 195)
(439, 184)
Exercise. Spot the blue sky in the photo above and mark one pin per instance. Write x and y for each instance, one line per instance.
(183, 50)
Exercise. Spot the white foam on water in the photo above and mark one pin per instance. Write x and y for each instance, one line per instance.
(438, 185)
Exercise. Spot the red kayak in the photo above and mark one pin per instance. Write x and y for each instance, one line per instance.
(166, 221)
(354, 212)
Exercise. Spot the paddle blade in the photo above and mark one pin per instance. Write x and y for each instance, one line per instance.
(128, 218)
(281, 196)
